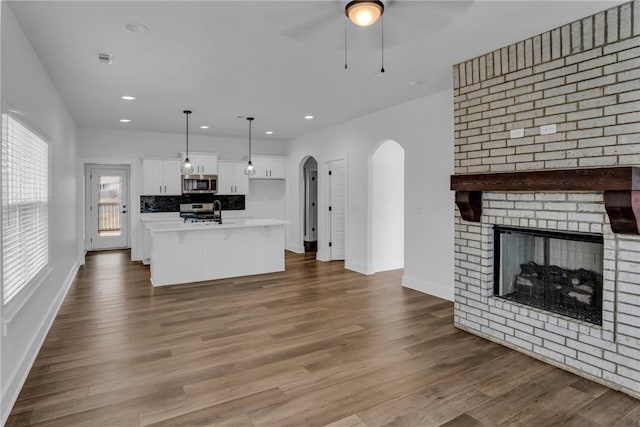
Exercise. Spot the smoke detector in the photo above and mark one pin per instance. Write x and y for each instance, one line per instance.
(105, 58)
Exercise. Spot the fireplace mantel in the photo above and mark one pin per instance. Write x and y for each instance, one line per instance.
(620, 185)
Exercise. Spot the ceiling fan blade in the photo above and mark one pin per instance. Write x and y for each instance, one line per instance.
(301, 20)
(434, 13)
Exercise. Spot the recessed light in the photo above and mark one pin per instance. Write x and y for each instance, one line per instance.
(128, 97)
(204, 127)
(412, 83)
(124, 120)
(308, 117)
(136, 27)
(269, 132)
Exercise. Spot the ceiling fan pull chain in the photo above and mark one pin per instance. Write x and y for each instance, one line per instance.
(345, 44)
(382, 43)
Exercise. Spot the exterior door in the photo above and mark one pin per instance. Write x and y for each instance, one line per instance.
(107, 199)
(337, 209)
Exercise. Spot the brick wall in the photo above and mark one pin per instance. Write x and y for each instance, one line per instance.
(585, 78)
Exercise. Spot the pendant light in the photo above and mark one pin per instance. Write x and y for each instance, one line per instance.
(187, 167)
(249, 170)
(364, 12)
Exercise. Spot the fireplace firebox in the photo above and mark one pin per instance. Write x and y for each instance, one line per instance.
(560, 272)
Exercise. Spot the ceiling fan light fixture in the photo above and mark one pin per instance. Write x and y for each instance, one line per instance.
(364, 12)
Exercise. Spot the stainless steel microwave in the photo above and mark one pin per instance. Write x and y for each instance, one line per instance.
(199, 184)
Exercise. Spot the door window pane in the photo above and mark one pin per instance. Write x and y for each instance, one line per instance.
(109, 201)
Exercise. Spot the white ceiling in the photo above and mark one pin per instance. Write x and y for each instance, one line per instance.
(276, 60)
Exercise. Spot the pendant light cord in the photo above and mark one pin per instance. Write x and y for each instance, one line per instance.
(382, 44)
(250, 120)
(187, 113)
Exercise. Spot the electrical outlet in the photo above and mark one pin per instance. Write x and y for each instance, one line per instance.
(547, 129)
(516, 133)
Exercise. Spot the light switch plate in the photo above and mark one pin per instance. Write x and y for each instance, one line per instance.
(516, 133)
(547, 129)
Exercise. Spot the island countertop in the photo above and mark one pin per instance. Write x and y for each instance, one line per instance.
(195, 252)
(167, 226)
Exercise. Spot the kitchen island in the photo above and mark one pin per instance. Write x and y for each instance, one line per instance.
(194, 252)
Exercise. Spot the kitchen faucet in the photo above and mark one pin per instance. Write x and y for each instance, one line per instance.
(217, 202)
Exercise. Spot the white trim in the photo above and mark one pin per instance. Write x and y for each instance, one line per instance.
(358, 267)
(14, 385)
(435, 289)
(295, 248)
(14, 306)
(321, 257)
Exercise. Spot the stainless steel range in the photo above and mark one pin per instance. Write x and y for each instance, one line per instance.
(200, 209)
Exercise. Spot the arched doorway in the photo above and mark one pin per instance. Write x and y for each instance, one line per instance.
(310, 205)
(388, 206)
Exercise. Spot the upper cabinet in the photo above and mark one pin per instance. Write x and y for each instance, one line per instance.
(203, 163)
(161, 177)
(231, 178)
(268, 167)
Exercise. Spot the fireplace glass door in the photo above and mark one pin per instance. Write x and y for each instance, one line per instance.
(554, 271)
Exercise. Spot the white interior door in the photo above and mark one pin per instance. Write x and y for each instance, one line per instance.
(336, 209)
(107, 199)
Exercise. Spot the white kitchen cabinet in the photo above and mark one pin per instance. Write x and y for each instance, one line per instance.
(161, 177)
(203, 163)
(268, 167)
(231, 178)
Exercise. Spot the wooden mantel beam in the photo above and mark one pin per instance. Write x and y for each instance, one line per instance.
(620, 185)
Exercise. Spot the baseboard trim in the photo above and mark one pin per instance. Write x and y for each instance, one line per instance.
(296, 249)
(435, 289)
(16, 382)
(358, 268)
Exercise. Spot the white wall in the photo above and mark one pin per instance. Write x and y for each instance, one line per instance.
(128, 147)
(266, 198)
(27, 88)
(424, 128)
(388, 207)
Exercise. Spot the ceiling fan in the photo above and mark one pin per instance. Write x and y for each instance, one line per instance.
(340, 24)
(323, 22)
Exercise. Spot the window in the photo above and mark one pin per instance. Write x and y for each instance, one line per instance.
(25, 197)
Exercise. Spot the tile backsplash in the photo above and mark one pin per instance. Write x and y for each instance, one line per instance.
(152, 204)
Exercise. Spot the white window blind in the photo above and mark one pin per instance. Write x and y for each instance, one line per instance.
(25, 196)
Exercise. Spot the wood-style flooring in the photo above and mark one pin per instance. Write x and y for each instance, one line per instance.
(311, 346)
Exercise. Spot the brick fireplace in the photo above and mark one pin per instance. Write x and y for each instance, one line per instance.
(584, 78)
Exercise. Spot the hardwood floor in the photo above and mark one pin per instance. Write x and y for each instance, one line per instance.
(314, 345)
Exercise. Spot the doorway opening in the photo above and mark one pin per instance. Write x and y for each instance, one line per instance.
(107, 201)
(310, 214)
(388, 206)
